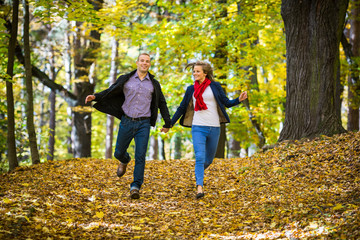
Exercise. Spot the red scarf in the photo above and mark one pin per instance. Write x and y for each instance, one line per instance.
(198, 91)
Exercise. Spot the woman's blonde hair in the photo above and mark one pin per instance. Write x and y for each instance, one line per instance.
(206, 67)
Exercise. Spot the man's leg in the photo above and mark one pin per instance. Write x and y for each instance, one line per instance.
(125, 135)
(141, 144)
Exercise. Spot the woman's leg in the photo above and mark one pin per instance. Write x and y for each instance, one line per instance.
(211, 145)
(199, 141)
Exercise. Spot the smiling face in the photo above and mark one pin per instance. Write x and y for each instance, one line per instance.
(199, 74)
(143, 63)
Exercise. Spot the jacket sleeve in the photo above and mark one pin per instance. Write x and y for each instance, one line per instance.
(163, 108)
(181, 110)
(100, 95)
(224, 99)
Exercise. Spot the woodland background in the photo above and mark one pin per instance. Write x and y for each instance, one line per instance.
(64, 50)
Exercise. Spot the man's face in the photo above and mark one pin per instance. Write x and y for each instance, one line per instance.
(143, 64)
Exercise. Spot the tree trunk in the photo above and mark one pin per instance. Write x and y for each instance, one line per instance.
(255, 86)
(220, 151)
(153, 148)
(161, 148)
(353, 85)
(220, 63)
(177, 146)
(234, 148)
(85, 55)
(13, 163)
(313, 32)
(68, 76)
(110, 119)
(52, 120)
(29, 89)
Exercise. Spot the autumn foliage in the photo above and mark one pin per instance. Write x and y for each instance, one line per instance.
(298, 190)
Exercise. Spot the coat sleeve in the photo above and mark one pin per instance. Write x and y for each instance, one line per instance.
(163, 108)
(100, 95)
(224, 99)
(181, 110)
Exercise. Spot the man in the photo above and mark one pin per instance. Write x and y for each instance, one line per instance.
(135, 99)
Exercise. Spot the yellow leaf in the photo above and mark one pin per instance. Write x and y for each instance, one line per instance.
(100, 215)
(338, 206)
(136, 228)
(6, 200)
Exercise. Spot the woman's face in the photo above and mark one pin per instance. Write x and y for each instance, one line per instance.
(199, 74)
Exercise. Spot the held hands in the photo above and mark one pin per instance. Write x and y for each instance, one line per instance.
(164, 130)
(243, 96)
(89, 98)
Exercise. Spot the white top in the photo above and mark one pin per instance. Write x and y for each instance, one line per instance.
(210, 116)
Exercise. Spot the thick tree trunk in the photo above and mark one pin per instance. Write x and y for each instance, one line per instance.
(313, 32)
(220, 151)
(52, 119)
(353, 85)
(220, 63)
(13, 163)
(110, 119)
(85, 55)
(35, 159)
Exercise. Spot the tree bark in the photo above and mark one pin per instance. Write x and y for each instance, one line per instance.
(68, 75)
(85, 55)
(161, 148)
(220, 62)
(177, 146)
(313, 32)
(13, 163)
(234, 148)
(52, 119)
(353, 79)
(35, 159)
(110, 119)
(153, 148)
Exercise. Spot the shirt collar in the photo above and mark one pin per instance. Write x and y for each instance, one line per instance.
(147, 77)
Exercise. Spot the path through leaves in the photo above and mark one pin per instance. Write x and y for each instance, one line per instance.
(299, 190)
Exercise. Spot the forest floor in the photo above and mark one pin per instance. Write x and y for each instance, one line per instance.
(298, 190)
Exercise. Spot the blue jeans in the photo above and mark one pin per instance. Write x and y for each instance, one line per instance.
(205, 141)
(140, 131)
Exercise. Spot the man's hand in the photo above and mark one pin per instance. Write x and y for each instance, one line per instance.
(243, 96)
(164, 130)
(89, 98)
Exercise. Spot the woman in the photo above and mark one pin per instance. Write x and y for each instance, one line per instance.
(202, 109)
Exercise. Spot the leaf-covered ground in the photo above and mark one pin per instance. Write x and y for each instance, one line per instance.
(301, 190)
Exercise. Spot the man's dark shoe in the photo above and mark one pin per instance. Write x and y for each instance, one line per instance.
(121, 169)
(134, 194)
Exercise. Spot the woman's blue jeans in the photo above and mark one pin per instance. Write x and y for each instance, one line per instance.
(140, 131)
(205, 141)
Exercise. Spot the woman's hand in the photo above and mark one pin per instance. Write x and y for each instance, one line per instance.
(164, 130)
(89, 98)
(243, 96)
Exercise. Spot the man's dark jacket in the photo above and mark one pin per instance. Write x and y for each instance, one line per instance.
(110, 101)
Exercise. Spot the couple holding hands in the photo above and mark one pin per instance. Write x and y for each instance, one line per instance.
(135, 99)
